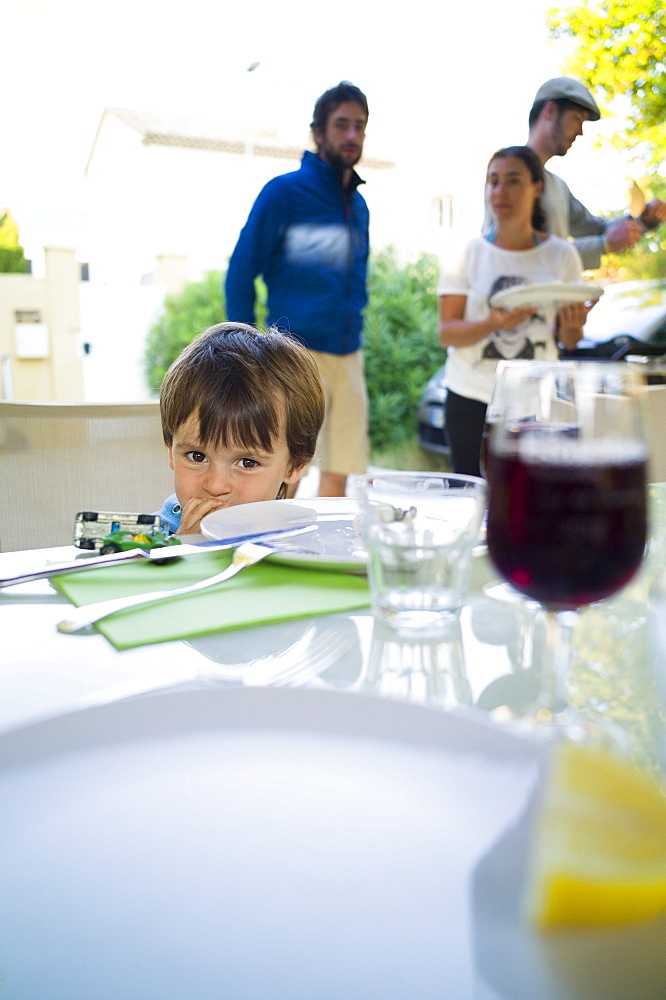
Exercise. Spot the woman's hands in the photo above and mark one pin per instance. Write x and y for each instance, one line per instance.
(454, 331)
(571, 320)
(502, 319)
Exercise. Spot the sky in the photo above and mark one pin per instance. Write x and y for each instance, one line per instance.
(447, 84)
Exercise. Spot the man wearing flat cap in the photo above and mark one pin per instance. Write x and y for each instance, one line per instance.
(561, 106)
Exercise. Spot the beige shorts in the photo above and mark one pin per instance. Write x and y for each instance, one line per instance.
(343, 441)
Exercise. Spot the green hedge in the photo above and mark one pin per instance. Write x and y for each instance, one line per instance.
(12, 259)
(198, 306)
(400, 337)
(401, 349)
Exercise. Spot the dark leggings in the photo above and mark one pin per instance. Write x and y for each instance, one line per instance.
(464, 429)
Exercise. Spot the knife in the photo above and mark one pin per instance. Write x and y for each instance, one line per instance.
(161, 554)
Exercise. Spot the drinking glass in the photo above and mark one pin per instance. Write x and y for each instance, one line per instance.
(420, 529)
(425, 668)
(567, 509)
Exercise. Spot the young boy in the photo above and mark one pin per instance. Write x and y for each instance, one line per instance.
(241, 411)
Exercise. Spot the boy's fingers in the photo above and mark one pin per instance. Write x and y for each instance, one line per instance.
(194, 510)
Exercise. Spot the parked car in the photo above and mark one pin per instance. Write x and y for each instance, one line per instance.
(431, 422)
(629, 319)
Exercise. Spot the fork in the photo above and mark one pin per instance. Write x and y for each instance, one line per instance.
(245, 555)
(326, 649)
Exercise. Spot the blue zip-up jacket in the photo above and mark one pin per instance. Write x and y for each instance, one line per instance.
(308, 239)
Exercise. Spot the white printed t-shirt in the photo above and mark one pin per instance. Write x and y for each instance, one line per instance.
(483, 269)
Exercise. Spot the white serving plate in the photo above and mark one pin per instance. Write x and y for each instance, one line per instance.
(335, 544)
(555, 293)
(282, 843)
(248, 843)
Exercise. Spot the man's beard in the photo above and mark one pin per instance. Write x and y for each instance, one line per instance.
(559, 142)
(336, 160)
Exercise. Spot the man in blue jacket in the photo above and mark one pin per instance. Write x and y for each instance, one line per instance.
(307, 236)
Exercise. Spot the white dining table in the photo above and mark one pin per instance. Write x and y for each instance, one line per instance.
(335, 811)
(475, 663)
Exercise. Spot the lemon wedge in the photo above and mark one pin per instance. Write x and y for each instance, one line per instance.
(599, 853)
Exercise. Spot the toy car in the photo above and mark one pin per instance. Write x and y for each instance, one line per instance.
(119, 541)
(92, 527)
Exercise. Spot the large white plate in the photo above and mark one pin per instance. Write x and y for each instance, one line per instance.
(546, 294)
(335, 544)
(249, 843)
(273, 843)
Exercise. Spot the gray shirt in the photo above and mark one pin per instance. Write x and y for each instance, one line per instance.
(568, 217)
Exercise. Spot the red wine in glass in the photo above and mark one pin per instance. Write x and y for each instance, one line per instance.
(572, 531)
(567, 519)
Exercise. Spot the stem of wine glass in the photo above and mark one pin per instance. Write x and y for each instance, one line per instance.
(554, 694)
(527, 615)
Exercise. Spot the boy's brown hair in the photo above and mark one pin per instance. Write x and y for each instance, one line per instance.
(247, 387)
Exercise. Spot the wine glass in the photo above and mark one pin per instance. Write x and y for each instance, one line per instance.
(567, 509)
(527, 610)
(506, 383)
(501, 385)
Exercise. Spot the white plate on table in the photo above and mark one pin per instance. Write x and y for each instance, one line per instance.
(555, 293)
(335, 544)
(249, 843)
(283, 843)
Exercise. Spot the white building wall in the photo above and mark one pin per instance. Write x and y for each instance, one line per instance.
(40, 357)
(117, 202)
(115, 320)
(197, 201)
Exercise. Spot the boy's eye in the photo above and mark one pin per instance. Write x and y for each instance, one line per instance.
(248, 463)
(196, 456)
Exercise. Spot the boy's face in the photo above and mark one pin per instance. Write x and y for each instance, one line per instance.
(210, 478)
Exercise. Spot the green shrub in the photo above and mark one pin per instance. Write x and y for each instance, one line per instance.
(400, 341)
(12, 259)
(401, 349)
(198, 306)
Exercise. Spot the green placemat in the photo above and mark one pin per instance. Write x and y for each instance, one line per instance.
(267, 592)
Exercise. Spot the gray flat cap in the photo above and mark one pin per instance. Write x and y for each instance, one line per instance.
(572, 90)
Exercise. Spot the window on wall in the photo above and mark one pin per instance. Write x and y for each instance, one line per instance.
(442, 212)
